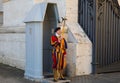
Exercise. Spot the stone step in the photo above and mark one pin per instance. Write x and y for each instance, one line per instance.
(50, 80)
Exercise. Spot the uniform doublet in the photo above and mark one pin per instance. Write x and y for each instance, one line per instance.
(58, 52)
(58, 56)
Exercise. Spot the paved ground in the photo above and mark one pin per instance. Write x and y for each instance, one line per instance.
(101, 78)
(13, 75)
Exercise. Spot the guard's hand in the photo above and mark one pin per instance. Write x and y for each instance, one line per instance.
(59, 38)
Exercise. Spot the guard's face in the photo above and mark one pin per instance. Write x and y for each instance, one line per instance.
(59, 32)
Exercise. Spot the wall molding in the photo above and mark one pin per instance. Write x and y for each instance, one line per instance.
(8, 30)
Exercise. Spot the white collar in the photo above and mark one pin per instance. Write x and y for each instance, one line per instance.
(57, 35)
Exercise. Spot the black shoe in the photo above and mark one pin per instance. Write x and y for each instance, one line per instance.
(62, 79)
(55, 80)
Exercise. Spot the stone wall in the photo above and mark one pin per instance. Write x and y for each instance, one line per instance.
(15, 12)
(72, 10)
(12, 49)
(12, 34)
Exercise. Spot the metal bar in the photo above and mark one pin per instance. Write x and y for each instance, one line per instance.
(106, 31)
(110, 37)
(119, 40)
(86, 19)
(113, 39)
(109, 28)
(117, 43)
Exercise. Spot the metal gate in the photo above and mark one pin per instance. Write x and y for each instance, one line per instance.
(100, 20)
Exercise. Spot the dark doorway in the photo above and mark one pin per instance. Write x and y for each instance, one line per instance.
(50, 22)
(100, 19)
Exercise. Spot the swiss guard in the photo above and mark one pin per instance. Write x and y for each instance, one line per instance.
(58, 54)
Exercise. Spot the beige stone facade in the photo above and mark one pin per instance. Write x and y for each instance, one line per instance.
(72, 10)
(12, 35)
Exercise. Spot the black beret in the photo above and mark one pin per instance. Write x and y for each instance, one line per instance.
(56, 29)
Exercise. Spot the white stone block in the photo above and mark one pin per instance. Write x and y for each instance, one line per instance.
(84, 59)
(12, 50)
(71, 59)
(79, 50)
